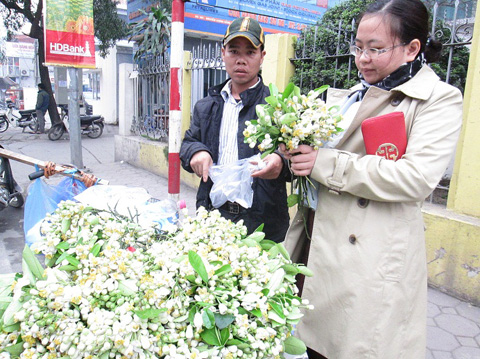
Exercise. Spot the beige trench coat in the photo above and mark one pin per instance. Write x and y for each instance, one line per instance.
(367, 252)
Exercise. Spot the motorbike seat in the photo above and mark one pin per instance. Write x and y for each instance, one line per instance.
(90, 118)
(26, 112)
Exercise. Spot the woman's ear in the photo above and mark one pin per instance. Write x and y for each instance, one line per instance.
(413, 48)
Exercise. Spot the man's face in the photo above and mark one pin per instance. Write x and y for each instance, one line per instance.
(242, 62)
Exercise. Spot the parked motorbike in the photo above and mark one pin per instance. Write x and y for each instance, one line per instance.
(10, 191)
(92, 126)
(13, 117)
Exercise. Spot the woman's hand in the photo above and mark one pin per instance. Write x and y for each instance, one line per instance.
(302, 159)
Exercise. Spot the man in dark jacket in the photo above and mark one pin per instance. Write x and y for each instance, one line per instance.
(216, 134)
(43, 99)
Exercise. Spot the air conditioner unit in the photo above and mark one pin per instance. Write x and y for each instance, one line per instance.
(24, 72)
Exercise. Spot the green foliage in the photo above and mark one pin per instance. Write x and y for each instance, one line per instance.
(109, 28)
(152, 33)
(316, 46)
(316, 65)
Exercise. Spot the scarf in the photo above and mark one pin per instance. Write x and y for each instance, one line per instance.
(401, 75)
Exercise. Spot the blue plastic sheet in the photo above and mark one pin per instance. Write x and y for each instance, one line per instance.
(43, 199)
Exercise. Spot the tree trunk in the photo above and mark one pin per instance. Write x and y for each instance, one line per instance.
(36, 32)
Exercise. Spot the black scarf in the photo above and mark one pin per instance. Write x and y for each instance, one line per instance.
(401, 75)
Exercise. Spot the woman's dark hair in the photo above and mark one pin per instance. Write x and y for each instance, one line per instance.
(408, 20)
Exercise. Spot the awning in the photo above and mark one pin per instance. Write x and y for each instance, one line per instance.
(6, 82)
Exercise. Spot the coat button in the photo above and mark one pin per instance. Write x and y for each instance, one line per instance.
(396, 101)
(362, 202)
(352, 239)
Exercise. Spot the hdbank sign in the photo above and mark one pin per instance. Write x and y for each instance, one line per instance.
(213, 16)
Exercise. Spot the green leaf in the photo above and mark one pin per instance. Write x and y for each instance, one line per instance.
(256, 312)
(288, 90)
(191, 314)
(15, 350)
(12, 308)
(277, 308)
(60, 259)
(260, 228)
(294, 346)
(96, 249)
(224, 335)
(249, 242)
(68, 268)
(210, 337)
(256, 236)
(234, 342)
(66, 222)
(197, 264)
(283, 251)
(291, 269)
(273, 252)
(288, 118)
(223, 270)
(208, 319)
(32, 263)
(223, 320)
(73, 261)
(266, 244)
(322, 89)
(190, 278)
(11, 328)
(305, 271)
(273, 89)
(292, 200)
(274, 317)
(149, 313)
(63, 245)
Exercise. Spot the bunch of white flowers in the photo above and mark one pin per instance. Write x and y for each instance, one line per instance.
(293, 119)
(113, 289)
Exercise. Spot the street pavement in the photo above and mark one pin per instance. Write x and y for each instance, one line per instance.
(453, 326)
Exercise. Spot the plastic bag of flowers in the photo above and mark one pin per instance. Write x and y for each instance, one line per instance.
(112, 289)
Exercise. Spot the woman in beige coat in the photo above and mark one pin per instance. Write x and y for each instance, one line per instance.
(367, 248)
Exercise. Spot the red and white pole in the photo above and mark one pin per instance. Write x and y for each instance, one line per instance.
(175, 117)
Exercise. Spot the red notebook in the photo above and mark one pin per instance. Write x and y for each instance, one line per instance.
(385, 135)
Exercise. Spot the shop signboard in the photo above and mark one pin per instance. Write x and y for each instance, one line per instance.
(69, 35)
(213, 16)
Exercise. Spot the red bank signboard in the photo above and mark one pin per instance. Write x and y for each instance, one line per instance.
(69, 36)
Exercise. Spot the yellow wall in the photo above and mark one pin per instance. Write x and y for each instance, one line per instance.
(453, 234)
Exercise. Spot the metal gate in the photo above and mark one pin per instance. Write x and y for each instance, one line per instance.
(207, 69)
(151, 89)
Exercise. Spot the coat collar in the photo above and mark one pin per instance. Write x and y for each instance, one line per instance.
(419, 87)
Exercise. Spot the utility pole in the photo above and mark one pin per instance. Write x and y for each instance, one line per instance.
(175, 114)
(74, 119)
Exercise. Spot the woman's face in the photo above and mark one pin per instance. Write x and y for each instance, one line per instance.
(374, 32)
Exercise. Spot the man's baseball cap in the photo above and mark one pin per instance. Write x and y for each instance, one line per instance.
(245, 27)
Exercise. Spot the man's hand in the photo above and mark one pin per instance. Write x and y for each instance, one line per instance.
(201, 163)
(302, 159)
(273, 167)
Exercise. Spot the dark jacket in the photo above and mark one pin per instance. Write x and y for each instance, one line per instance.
(269, 199)
(43, 99)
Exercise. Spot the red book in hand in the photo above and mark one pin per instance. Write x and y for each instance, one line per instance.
(385, 135)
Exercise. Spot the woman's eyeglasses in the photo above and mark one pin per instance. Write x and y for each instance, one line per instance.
(371, 53)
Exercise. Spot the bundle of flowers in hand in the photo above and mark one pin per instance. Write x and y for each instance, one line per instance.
(293, 119)
(112, 289)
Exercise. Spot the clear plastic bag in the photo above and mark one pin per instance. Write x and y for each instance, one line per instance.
(233, 182)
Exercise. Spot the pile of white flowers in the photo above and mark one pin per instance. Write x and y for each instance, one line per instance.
(113, 289)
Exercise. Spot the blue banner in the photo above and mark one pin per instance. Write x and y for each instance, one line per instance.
(214, 16)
